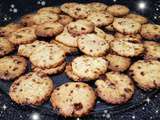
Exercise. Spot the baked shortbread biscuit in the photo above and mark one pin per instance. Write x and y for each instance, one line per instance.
(118, 63)
(73, 99)
(89, 68)
(12, 67)
(5, 46)
(47, 56)
(116, 88)
(118, 10)
(126, 26)
(146, 74)
(92, 45)
(23, 36)
(150, 31)
(31, 89)
(80, 27)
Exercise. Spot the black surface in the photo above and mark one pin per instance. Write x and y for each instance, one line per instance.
(137, 103)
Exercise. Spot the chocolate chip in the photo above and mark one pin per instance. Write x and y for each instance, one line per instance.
(78, 106)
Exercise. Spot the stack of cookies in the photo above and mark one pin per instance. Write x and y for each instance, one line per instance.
(116, 46)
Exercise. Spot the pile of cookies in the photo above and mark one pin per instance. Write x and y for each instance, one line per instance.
(117, 52)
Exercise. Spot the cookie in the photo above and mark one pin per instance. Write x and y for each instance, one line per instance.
(26, 20)
(110, 28)
(127, 48)
(79, 11)
(137, 18)
(6, 30)
(80, 27)
(92, 45)
(126, 26)
(89, 68)
(70, 101)
(152, 50)
(49, 29)
(47, 56)
(23, 36)
(118, 10)
(31, 89)
(109, 38)
(115, 88)
(99, 32)
(146, 73)
(55, 10)
(65, 19)
(97, 6)
(66, 7)
(67, 49)
(134, 37)
(12, 67)
(27, 49)
(150, 31)
(5, 46)
(41, 18)
(67, 39)
(49, 71)
(100, 18)
(118, 63)
(71, 75)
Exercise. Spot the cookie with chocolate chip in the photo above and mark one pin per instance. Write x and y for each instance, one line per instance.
(12, 67)
(44, 10)
(150, 31)
(31, 89)
(115, 88)
(5, 46)
(146, 73)
(73, 99)
(97, 7)
(92, 45)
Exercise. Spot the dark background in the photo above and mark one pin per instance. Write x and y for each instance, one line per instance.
(11, 10)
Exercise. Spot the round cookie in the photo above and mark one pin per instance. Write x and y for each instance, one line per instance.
(97, 6)
(79, 11)
(137, 18)
(26, 20)
(71, 75)
(12, 67)
(150, 31)
(100, 18)
(134, 37)
(65, 19)
(67, 49)
(31, 89)
(41, 18)
(5, 46)
(48, 29)
(73, 99)
(67, 39)
(89, 68)
(55, 10)
(116, 88)
(152, 50)
(118, 63)
(80, 27)
(5, 31)
(27, 49)
(49, 71)
(126, 26)
(146, 73)
(47, 56)
(99, 32)
(127, 48)
(118, 10)
(23, 36)
(92, 45)
(67, 6)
